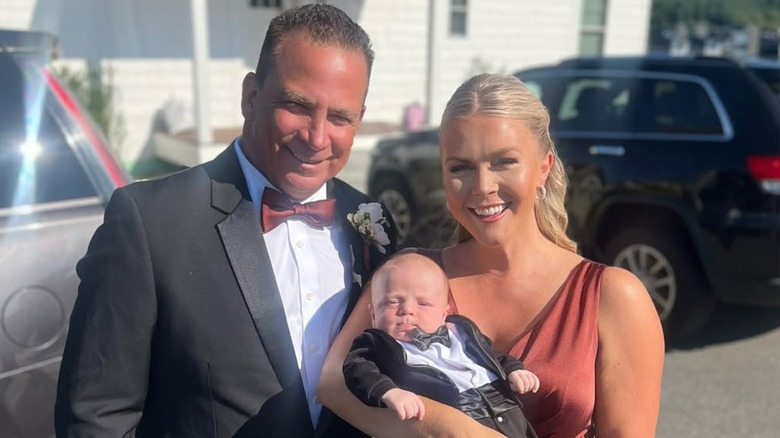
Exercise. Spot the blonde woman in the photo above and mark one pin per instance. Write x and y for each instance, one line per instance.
(590, 332)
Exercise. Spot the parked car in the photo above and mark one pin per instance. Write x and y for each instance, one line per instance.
(404, 174)
(674, 169)
(56, 175)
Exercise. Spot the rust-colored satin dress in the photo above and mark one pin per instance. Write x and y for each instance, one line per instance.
(560, 347)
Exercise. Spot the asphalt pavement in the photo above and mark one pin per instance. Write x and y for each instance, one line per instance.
(725, 380)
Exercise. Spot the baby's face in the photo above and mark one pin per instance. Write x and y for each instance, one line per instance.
(411, 298)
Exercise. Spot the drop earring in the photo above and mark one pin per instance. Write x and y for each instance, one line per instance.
(541, 193)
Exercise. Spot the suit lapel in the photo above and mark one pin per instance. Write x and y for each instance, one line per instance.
(246, 251)
(344, 206)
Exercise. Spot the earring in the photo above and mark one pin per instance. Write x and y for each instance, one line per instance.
(541, 193)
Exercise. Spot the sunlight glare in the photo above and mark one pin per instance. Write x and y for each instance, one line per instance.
(30, 150)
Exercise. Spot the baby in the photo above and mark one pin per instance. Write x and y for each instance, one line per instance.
(414, 349)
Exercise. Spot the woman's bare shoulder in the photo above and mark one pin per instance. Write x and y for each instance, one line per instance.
(620, 287)
(624, 299)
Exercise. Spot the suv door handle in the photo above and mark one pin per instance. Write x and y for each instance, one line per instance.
(615, 151)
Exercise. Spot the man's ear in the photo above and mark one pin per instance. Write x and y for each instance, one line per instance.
(249, 91)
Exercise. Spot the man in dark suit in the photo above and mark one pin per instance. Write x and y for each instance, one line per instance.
(209, 299)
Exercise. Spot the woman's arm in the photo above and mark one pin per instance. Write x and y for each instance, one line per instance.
(630, 359)
(440, 420)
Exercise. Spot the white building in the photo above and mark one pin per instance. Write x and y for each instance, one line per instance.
(424, 48)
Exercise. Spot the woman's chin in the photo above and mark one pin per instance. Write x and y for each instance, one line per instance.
(489, 237)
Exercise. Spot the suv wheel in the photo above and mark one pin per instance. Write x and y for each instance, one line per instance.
(669, 271)
(394, 194)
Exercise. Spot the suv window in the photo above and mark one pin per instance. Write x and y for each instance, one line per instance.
(45, 170)
(632, 105)
(595, 104)
(677, 107)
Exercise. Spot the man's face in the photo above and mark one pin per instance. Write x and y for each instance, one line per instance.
(411, 295)
(299, 127)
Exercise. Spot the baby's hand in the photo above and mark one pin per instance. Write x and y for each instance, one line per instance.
(406, 404)
(522, 381)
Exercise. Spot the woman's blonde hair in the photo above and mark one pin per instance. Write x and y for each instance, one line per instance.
(507, 96)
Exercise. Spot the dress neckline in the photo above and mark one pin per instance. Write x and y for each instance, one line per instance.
(546, 309)
(552, 302)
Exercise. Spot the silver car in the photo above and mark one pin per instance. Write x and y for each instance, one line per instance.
(56, 175)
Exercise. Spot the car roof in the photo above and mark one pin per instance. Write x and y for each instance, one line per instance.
(653, 62)
(22, 41)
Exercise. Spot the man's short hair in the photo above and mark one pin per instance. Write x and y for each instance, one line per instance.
(321, 23)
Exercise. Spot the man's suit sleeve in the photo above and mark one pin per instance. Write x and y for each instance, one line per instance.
(105, 366)
(362, 374)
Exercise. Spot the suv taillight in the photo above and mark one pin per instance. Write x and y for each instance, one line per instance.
(766, 170)
(96, 139)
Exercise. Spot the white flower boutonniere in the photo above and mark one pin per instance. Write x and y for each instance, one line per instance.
(369, 222)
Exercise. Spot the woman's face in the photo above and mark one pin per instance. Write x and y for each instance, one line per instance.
(492, 167)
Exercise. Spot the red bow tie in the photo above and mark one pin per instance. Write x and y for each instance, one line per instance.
(277, 208)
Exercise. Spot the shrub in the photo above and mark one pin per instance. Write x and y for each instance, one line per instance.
(95, 90)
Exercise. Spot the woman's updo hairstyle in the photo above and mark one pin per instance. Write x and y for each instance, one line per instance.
(506, 96)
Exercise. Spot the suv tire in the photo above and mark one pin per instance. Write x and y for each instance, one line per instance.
(396, 196)
(671, 273)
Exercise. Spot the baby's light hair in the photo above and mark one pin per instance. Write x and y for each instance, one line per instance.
(403, 260)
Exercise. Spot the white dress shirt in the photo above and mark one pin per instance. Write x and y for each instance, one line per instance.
(312, 269)
(452, 361)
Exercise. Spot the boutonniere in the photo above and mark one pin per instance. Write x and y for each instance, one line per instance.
(369, 222)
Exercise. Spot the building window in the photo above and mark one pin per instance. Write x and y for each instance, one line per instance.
(458, 17)
(265, 3)
(594, 18)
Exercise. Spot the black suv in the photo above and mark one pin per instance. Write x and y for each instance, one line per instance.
(56, 175)
(674, 168)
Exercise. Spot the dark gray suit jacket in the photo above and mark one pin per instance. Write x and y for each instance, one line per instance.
(178, 329)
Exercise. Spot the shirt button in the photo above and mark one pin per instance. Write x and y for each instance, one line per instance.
(313, 348)
(299, 244)
(500, 419)
(309, 296)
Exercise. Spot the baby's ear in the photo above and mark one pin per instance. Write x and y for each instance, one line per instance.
(371, 312)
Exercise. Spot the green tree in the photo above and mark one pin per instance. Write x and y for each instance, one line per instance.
(94, 89)
(735, 13)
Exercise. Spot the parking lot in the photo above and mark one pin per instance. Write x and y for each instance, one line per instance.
(723, 381)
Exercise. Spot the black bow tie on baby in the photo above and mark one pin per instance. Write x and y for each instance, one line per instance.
(424, 340)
